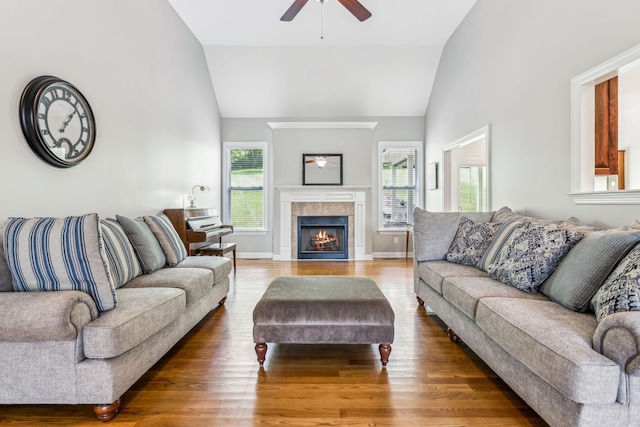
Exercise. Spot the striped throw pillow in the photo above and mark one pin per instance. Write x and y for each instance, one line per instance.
(56, 254)
(121, 256)
(168, 238)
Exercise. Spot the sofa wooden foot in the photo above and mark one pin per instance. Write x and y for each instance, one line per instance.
(385, 350)
(222, 301)
(453, 336)
(420, 300)
(107, 412)
(261, 352)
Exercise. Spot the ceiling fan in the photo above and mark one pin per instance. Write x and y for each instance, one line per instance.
(353, 6)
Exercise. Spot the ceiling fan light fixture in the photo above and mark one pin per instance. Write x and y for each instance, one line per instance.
(321, 161)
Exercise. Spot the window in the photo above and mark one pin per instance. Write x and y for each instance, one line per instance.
(591, 183)
(245, 182)
(399, 172)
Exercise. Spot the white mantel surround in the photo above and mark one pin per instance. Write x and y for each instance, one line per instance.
(293, 194)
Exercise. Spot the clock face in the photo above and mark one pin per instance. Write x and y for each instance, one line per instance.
(57, 121)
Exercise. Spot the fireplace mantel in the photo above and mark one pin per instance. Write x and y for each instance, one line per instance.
(322, 194)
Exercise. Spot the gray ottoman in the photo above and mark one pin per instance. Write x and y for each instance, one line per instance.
(323, 310)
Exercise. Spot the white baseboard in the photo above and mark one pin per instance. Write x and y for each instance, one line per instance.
(391, 255)
(254, 255)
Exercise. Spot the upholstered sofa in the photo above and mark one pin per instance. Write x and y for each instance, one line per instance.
(569, 345)
(58, 347)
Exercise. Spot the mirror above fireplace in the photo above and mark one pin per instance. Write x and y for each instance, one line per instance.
(322, 169)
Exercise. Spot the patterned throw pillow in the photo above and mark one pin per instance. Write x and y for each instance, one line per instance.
(121, 256)
(621, 290)
(501, 236)
(531, 253)
(168, 238)
(471, 241)
(56, 254)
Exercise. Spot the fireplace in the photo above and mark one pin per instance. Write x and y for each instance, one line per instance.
(323, 237)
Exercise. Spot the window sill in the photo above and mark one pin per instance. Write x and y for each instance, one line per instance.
(251, 232)
(622, 197)
(392, 230)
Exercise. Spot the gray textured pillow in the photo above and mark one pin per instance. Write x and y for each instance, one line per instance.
(583, 270)
(621, 291)
(531, 254)
(433, 232)
(471, 241)
(5, 275)
(147, 248)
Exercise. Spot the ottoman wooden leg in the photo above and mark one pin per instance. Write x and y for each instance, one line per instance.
(261, 351)
(385, 350)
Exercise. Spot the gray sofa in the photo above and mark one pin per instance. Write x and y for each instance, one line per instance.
(570, 367)
(57, 348)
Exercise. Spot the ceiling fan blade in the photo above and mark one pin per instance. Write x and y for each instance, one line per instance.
(293, 10)
(357, 9)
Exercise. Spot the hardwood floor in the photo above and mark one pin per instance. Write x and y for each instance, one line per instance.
(211, 377)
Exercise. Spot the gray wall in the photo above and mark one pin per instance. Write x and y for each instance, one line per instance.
(509, 64)
(146, 78)
(359, 149)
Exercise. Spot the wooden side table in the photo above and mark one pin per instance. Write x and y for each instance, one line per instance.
(219, 249)
(406, 248)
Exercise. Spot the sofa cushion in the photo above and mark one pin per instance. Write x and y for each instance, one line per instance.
(496, 244)
(144, 242)
(5, 274)
(621, 290)
(531, 253)
(140, 314)
(55, 254)
(196, 282)
(121, 256)
(465, 292)
(433, 232)
(585, 268)
(471, 241)
(554, 343)
(220, 266)
(434, 272)
(168, 238)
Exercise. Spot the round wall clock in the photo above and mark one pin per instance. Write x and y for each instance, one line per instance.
(57, 121)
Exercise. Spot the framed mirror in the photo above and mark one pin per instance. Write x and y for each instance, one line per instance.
(322, 169)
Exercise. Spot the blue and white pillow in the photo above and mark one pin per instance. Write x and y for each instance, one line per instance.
(531, 253)
(621, 290)
(496, 244)
(168, 238)
(471, 241)
(56, 254)
(121, 256)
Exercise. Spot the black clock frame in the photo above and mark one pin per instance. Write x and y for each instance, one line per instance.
(29, 116)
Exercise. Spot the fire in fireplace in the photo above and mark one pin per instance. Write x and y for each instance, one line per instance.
(323, 237)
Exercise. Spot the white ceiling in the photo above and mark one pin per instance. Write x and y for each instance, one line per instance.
(263, 67)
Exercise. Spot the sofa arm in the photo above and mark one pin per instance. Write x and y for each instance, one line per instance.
(618, 338)
(40, 316)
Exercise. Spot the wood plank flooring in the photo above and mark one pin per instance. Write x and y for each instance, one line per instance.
(211, 377)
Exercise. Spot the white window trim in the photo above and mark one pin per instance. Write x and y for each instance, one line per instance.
(419, 174)
(226, 146)
(579, 151)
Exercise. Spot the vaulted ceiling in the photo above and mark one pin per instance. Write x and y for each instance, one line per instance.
(263, 67)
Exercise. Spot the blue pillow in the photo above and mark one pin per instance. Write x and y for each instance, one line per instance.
(531, 253)
(57, 254)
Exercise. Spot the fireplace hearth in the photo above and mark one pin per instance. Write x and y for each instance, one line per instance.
(323, 237)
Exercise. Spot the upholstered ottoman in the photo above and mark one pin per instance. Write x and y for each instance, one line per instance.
(323, 310)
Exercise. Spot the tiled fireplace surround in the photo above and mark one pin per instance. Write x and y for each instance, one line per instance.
(304, 201)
